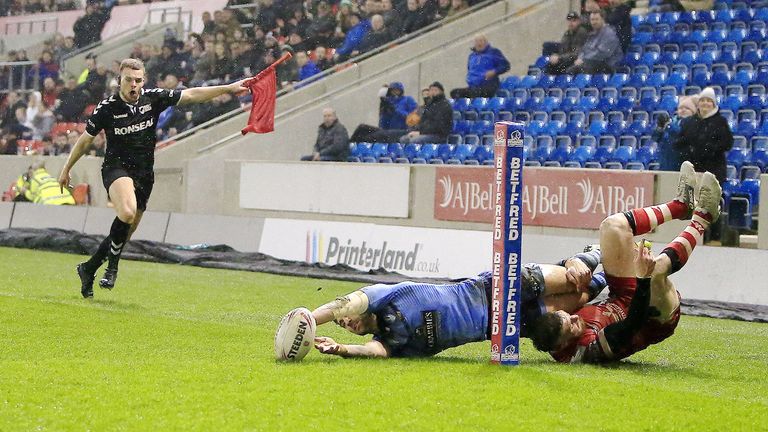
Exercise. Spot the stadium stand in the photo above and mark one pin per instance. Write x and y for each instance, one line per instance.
(606, 121)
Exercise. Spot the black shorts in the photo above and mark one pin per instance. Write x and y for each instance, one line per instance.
(143, 180)
(531, 295)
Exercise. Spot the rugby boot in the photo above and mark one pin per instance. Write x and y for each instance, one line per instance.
(686, 185)
(710, 195)
(86, 281)
(108, 280)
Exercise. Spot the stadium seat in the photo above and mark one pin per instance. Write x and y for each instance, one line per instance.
(444, 152)
(461, 153)
(427, 152)
(623, 155)
(739, 213)
(411, 151)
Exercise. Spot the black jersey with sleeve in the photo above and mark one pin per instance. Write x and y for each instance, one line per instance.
(130, 128)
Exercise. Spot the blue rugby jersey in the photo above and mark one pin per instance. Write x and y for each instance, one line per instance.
(418, 319)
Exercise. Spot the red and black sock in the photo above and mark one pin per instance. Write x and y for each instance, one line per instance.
(644, 220)
(682, 246)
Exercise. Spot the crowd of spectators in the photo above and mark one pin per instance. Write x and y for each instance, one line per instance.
(234, 43)
(26, 7)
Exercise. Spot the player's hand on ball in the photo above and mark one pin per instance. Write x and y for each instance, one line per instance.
(644, 262)
(327, 345)
(578, 274)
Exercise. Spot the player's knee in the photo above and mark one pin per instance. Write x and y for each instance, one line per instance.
(614, 223)
(127, 214)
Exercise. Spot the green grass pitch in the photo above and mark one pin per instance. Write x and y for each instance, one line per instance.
(185, 348)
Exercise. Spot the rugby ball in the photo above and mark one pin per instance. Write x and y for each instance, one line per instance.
(295, 335)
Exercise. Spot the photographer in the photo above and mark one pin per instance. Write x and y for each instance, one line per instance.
(667, 132)
(394, 108)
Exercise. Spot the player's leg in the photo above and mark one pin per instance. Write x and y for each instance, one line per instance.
(135, 224)
(123, 196)
(664, 297)
(617, 231)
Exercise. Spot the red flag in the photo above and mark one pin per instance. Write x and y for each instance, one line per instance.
(263, 87)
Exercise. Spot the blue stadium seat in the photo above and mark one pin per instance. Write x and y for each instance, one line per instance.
(461, 153)
(395, 151)
(487, 140)
(461, 104)
(496, 104)
(560, 154)
(359, 151)
(479, 104)
(455, 139)
(444, 152)
(581, 80)
(634, 166)
(582, 154)
(411, 151)
(484, 153)
(428, 152)
(510, 82)
(462, 127)
(623, 155)
(646, 155)
(739, 213)
(470, 139)
(737, 157)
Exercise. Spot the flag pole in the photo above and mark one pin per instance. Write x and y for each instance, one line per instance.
(285, 57)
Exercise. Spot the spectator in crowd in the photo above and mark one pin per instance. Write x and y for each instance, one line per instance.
(321, 58)
(436, 121)
(96, 85)
(40, 116)
(206, 63)
(394, 108)
(8, 144)
(73, 103)
(66, 47)
(307, 68)
(223, 64)
(220, 105)
(288, 71)
(617, 15)
(90, 66)
(209, 26)
(268, 13)
(443, 8)
(706, 138)
(22, 128)
(50, 92)
(391, 17)
(667, 132)
(360, 27)
(589, 7)
(667, 6)
(376, 37)
(484, 66)
(344, 18)
(48, 149)
(570, 45)
(88, 27)
(12, 103)
(60, 144)
(416, 17)
(457, 6)
(299, 22)
(323, 26)
(47, 68)
(601, 52)
(332, 142)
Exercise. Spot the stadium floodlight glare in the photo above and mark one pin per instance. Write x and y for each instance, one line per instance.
(507, 243)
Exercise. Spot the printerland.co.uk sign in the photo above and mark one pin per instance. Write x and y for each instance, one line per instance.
(567, 198)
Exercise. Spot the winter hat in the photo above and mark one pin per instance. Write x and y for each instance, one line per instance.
(708, 93)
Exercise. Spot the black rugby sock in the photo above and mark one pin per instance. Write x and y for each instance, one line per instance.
(117, 236)
(99, 257)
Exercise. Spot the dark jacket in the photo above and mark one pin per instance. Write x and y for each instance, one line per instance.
(602, 46)
(480, 62)
(414, 20)
(618, 17)
(373, 40)
(332, 141)
(437, 118)
(571, 43)
(88, 28)
(704, 142)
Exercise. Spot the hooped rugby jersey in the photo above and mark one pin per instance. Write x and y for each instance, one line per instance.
(130, 128)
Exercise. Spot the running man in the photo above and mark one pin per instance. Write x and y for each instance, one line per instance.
(128, 119)
(418, 319)
(643, 307)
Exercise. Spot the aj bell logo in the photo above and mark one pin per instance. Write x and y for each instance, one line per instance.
(609, 199)
(465, 195)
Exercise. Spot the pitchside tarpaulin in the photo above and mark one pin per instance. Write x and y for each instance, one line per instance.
(507, 243)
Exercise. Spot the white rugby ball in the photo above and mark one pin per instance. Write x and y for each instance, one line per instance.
(295, 335)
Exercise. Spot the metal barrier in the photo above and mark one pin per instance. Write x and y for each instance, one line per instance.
(21, 76)
(166, 15)
(33, 26)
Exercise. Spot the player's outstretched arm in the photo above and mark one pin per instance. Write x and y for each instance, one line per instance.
(205, 94)
(81, 147)
(352, 304)
(373, 348)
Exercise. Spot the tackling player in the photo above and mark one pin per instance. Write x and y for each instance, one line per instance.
(643, 307)
(128, 119)
(418, 319)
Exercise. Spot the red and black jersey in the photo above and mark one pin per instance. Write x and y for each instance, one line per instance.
(130, 128)
(597, 317)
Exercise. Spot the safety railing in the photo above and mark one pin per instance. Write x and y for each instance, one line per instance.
(32, 26)
(21, 76)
